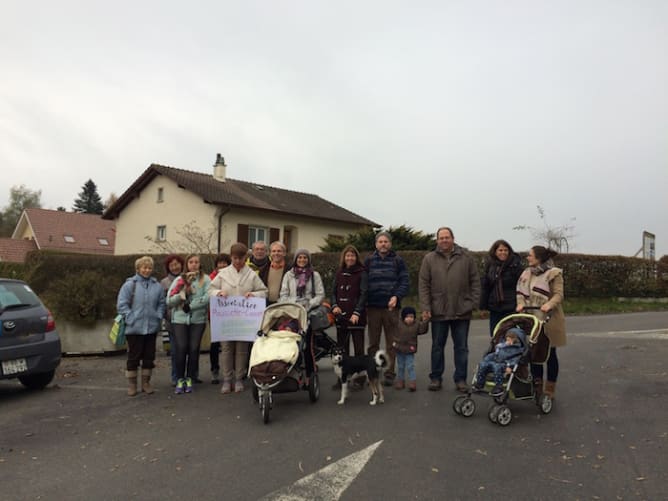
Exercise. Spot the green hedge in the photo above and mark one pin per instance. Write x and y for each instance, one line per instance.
(83, 288)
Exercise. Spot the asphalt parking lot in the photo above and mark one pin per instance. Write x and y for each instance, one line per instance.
(606, 438)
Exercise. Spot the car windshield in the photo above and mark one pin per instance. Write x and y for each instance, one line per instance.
(16, 295)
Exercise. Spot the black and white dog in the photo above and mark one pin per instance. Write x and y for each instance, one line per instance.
(346, 366)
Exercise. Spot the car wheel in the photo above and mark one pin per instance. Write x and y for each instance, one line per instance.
(37, 381)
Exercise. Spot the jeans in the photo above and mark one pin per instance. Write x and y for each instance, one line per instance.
(187, 339)
(406, 361)
(459, 330)
(552, 367)
(214, 357)
(343, 335)
(172, 351)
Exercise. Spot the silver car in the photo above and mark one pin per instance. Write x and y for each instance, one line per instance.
(29, 342)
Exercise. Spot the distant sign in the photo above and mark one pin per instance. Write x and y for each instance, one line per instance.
(648, 245)
(235, 318)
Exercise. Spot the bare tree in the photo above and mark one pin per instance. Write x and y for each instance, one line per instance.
(190, 239)
(558, 238)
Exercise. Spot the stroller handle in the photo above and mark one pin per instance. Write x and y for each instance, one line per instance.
(537, 308)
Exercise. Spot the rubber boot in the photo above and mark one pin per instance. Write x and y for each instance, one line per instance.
(550, 387)
(132, 382)
(146, 381)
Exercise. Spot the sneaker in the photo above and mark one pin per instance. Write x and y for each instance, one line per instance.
(461, 387)
(497, 391)
(179, 387)
(435, 385)
(189, 385)
(238, 386)
(226, 388)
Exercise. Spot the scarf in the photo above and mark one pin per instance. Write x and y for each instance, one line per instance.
(302, 275)
(539, 291)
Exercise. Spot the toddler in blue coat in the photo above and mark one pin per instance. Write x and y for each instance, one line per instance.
(501, 361)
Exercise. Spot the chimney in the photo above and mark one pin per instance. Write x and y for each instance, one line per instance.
(219, 168)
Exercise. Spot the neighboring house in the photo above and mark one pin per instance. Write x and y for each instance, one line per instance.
(14, 251)
(66, 231)
(163, 201)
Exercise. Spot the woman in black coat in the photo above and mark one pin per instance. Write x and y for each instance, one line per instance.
(499, 282)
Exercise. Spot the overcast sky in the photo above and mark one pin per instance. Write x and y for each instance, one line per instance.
(460, 113)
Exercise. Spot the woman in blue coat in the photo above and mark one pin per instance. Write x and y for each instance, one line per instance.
(141, 301)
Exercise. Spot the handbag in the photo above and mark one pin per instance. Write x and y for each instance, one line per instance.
(117, 332)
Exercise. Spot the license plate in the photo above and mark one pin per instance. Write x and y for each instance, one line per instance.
(14, 366)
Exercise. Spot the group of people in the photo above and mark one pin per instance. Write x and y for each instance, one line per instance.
(366, 296)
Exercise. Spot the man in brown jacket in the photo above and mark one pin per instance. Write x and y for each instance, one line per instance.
(449, 290)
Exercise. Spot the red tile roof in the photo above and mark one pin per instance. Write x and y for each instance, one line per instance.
(242, 194)
(87, 231)
(14, 250)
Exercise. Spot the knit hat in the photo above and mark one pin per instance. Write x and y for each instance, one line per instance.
(299, 252)
(408, 310)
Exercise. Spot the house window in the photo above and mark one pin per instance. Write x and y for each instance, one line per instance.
(336, 238)
(257, 233)
(103, 241)
(161, 195)
(161, 234)
(69, 239)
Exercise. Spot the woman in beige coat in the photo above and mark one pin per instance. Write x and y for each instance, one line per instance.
(236, 280)
(542, 285)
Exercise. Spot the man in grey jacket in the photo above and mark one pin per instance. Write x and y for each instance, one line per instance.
(449, 289)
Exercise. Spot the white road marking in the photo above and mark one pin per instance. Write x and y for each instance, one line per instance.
(327, 484)
(644, 334)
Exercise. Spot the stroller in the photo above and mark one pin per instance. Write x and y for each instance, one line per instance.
(519, 383)
(319, 319)
(278, 360)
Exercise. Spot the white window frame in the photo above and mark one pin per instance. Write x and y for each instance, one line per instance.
(161, 233)
(102, 241)
(69, 239)
(256, 234)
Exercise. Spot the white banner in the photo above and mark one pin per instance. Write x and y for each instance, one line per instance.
(236, 318)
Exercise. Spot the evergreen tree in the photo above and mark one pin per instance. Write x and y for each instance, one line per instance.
(403, 238)
(89, 201)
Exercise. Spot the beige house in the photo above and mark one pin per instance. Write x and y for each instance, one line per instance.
(171, 209)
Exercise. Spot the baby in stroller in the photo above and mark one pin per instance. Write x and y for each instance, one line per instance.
(501, 361)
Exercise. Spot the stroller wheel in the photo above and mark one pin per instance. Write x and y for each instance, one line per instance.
(504, 415)
(255, 393)
(545, 404)
(457, 404)
(314, 388)
(468, 407)
(493, 412)
(265, 407)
